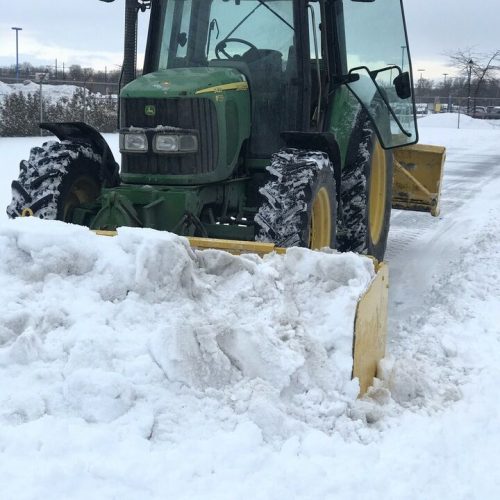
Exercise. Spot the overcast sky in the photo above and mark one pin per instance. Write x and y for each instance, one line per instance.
(89, 32)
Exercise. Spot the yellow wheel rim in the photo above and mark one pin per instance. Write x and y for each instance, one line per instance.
(320, 234)
(83, 190)
(378, 183)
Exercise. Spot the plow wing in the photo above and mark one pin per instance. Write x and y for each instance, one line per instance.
(418, 171)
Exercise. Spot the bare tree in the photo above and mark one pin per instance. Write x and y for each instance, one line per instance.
(478, 67)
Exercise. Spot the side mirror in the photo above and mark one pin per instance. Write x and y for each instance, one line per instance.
(182, 39)
(403, 85)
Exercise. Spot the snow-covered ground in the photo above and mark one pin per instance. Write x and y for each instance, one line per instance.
(134, 368)
(51, 92)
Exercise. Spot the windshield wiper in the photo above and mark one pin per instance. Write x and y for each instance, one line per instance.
(261, 2)
(241, 22)
(276, 14)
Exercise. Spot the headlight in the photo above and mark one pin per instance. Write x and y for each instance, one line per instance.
(166, 143)
(131, 142)
(186, 143)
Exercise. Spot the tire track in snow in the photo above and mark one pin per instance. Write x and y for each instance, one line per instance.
(432, 263)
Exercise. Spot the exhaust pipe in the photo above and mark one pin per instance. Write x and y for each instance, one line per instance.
(130, 43)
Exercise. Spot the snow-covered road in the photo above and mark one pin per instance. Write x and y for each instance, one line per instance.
(86, 411)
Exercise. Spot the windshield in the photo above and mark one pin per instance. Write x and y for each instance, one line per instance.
(195, 32)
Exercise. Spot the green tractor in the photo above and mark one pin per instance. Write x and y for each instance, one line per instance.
(253, 120)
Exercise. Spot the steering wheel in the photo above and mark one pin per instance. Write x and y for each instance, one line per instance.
(220, 48)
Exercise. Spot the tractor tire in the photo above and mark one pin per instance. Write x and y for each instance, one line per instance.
(366, 194)
(299, 207)
(57, 177)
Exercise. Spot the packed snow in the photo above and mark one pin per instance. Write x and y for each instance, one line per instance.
(135, 367)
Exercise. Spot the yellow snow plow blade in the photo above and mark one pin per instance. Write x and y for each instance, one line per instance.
(418, 171)
(235, 246)
(370, 323)
(370, 329)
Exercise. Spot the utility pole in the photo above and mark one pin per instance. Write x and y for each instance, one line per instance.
(17, 51)
(450, 104)
(469, 68)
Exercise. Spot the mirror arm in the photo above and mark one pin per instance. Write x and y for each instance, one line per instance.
(345, 79)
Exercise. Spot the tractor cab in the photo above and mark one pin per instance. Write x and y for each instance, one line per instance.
(258, 39)
(294, 55)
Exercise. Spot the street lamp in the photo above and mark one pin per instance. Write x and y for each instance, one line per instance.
(17, 51)
(403, 48)
(470, 64)
(445, 75)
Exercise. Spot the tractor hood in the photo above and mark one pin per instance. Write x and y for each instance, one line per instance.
(182, 82)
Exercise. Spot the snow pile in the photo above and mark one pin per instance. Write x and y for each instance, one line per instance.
(52, 93)
(99, 328)
(451, 120)
(5, 89)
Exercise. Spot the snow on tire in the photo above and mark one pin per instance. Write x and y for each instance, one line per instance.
(37, 189)
(352, 236)
(354, 231)
(283, 218)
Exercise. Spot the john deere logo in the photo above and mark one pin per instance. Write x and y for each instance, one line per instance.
(150, 110)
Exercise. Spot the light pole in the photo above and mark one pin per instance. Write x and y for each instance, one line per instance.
(449, 93)
(17, 51)
(403, 47)
(421, 81)
(469, 69)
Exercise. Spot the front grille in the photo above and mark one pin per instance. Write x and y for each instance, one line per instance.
(197, 114)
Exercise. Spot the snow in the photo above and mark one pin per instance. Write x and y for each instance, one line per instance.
(133, 367)
(454, 120)
(51, 92)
